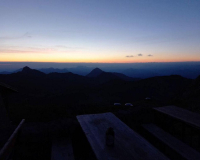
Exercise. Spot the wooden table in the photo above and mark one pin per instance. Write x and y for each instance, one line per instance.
(128, 144)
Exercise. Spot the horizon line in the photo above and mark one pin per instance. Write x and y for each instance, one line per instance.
(97, 62)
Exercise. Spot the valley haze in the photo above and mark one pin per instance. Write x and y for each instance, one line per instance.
(135, 70)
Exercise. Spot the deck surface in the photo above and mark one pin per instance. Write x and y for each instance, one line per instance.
(128, 144)
(181, 148)
(184, 115)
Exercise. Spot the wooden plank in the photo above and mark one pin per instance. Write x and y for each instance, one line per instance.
(8, 147)
(186, 116)
(128, 144)
(181, 148)
(62, 149)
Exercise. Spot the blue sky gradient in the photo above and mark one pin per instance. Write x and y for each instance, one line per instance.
(99, 31)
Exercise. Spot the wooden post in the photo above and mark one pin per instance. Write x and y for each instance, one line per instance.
(8, 147)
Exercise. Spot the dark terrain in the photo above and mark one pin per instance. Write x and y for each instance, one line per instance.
(43, 97)
(50, 102)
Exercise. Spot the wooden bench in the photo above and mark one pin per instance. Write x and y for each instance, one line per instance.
(176, 145)
(62, 149)
(128, 144)
(188, 117)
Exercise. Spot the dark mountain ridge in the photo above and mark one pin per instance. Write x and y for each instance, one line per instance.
(33, 72)
(60, 91)
(147, 70)
(164, 88)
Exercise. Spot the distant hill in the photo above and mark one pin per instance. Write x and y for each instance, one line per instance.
(80, 70)
(162, 88)
(106, 76)
(152, 72)
(190, 97)
(52, 70)
(118, 86)
(34, 82)
(18, 70)
(31, 72)
(5, 72)
(124, 77)
(140, 73)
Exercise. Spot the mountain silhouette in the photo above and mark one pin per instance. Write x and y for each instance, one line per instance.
(80, 70)
(161, 88)
(33, 72)
(140, 73)
(45, 93)
(95, 72)
(107, 76)
(5, 72)
(124, 77)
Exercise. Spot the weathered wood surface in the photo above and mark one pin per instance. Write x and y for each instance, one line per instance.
(186, 116)
(62, 149)
(8, 147)
(181, 148)
(128, 144)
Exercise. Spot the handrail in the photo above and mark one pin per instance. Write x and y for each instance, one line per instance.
(7, 148)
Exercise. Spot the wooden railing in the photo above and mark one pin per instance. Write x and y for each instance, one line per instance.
(9, 145)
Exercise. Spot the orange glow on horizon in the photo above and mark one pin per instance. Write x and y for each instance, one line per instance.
(91, 58)
(103, 61)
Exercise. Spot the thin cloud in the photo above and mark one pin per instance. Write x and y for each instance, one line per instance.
(130, 56)
(67, 47)
(150, 55)
(36, 50)
(18, 49)
(140, 55)
(25, 35)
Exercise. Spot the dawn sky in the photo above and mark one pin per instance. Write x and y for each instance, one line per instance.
(104, 31)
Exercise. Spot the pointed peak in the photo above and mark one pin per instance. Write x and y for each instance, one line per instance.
(95, 72)
(25, 69)
(28, 71)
